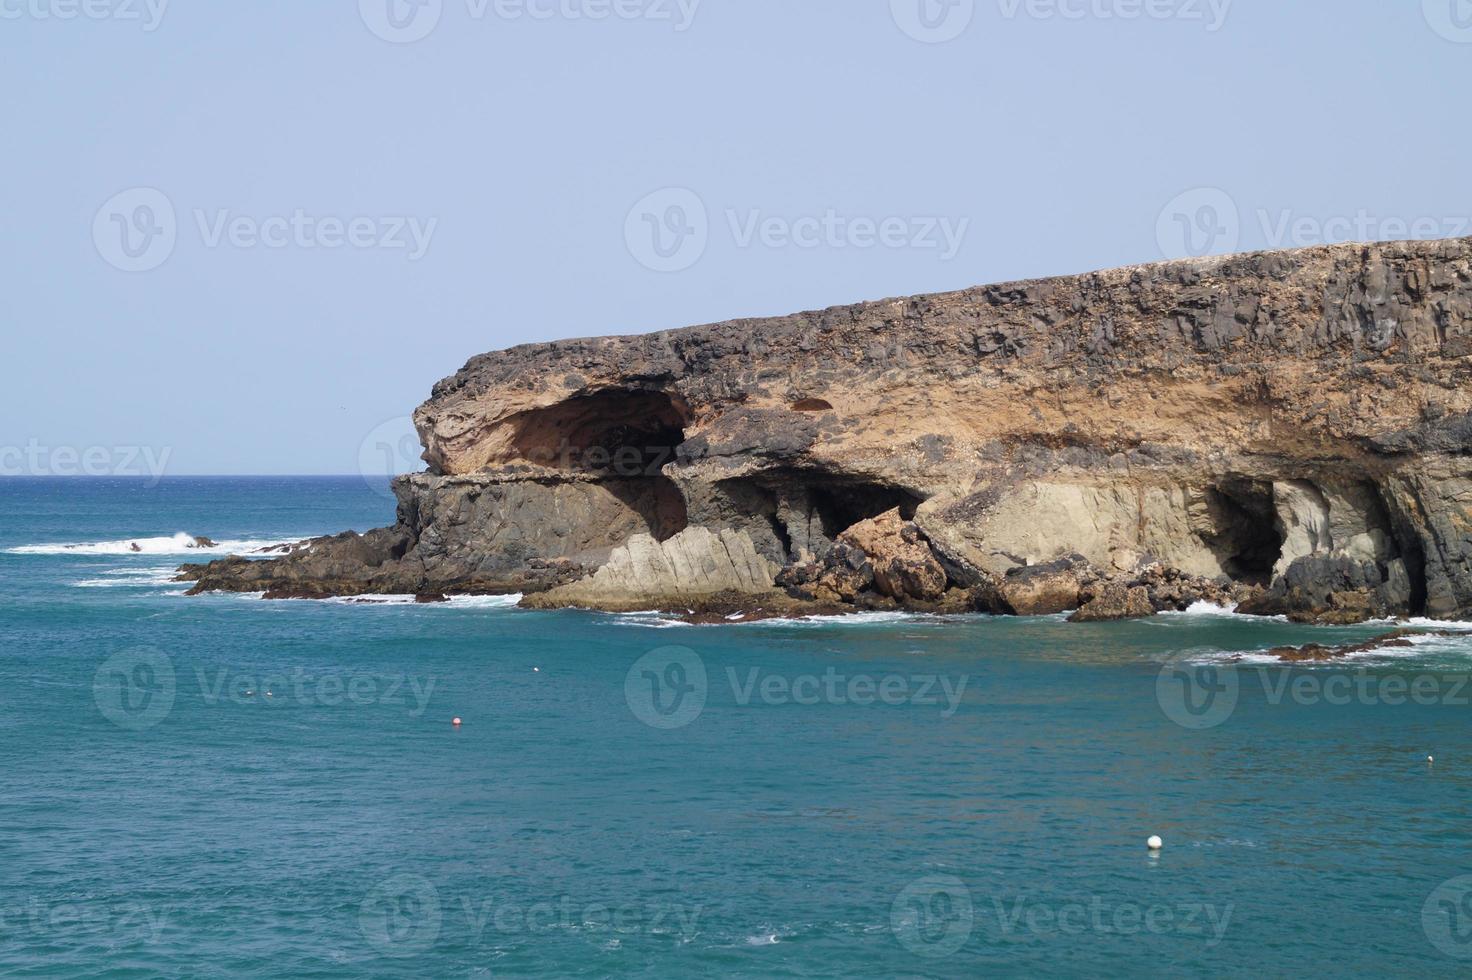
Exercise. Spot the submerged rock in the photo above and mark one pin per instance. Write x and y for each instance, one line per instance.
(1286, 430)
(1318, 653)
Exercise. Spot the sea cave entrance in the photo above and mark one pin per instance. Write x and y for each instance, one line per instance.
(1249, 538)
(616, 433)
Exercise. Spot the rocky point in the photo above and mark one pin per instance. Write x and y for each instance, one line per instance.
(1290, 431)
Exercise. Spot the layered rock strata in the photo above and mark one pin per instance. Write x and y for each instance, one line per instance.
(1289, 430)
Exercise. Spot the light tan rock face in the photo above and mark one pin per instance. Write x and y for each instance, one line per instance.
(692, 566)
(1297, 421)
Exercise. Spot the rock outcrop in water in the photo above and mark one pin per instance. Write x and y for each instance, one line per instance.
(1288, 430)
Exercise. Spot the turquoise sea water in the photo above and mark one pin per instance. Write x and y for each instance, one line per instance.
(885, 796)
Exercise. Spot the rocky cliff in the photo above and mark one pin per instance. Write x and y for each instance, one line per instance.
(1289, 430)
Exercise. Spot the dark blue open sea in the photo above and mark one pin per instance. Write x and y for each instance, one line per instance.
(224, 786)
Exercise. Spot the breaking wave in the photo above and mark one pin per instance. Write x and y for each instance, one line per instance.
(177, 544)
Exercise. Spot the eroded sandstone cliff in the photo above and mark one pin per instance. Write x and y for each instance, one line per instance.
(1290, 430)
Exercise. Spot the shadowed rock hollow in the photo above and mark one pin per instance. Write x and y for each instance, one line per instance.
(1288, 430)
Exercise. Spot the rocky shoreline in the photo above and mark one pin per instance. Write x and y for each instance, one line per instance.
(1289, 433)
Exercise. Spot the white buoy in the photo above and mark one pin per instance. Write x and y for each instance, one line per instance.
(456, 722)
(1155, 843)
(536, 670)
(1431, 758)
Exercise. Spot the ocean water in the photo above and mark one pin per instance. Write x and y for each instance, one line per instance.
(626, 796)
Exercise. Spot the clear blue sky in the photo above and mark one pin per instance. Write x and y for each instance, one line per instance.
(829, 150)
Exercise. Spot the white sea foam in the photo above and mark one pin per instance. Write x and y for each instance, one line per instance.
(658, 620)
(648, 620)
(485, 601)
(1420, 647)
(851, 619)
(1421, 622)
(1210, 610)
(130, 578)
(177, 544)
(456, 601)
(1204, 608)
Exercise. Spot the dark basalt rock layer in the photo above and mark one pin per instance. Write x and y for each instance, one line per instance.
(1290, 430)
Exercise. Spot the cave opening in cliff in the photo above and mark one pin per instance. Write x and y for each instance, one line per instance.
(1249, 538)
(807, 510)
(842, 505)
(616, 433)
(1411, 549)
